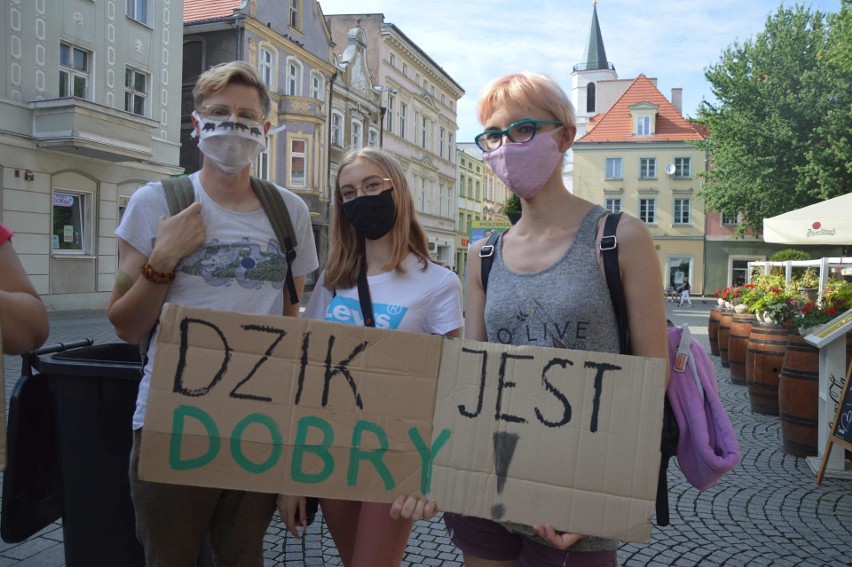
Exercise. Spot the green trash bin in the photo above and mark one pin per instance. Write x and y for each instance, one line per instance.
(94, 394)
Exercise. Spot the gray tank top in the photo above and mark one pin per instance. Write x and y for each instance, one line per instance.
(565, 305)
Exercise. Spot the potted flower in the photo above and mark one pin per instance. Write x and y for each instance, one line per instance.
(776, 306)
(512, 208)
(731, 296)
(813, 315)
(807, 283)
(749, 294)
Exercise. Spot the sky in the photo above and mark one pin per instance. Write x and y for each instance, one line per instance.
(478, 40)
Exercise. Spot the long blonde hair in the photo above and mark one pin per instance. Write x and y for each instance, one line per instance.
(407, 236)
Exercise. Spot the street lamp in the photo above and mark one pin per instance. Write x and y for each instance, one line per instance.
(381, 89)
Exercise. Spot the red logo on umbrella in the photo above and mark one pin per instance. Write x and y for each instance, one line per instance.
(816, 225)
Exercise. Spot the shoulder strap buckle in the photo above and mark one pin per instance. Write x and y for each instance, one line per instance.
(608, 243)
(486, 251)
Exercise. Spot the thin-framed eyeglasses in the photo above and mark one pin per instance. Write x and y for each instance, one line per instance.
(372, 185)
(520, 132)
(223, 113)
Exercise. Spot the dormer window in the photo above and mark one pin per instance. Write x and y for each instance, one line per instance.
(644, 116)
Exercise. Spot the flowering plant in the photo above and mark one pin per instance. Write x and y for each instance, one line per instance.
(777, 305)
(813, 314)
(730, 294)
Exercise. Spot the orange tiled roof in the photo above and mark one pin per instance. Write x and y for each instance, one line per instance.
(194, 10)
(616, 124)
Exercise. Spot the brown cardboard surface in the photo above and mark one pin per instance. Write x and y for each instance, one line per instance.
(402, 415)
(583, 465)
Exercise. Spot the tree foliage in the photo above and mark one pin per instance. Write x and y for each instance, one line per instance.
(778, 138)
(789, 254)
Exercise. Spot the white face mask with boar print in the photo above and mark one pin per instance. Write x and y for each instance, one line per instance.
(229, 144)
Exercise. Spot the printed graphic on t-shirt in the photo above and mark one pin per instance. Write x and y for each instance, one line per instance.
(534, 325)
(347, 310)
(243, 262)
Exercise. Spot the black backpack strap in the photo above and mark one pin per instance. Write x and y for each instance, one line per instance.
(279, 217)
(609, 251)
(486, 255)
(364, 297)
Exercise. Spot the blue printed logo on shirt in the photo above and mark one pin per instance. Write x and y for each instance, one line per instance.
(348, 311)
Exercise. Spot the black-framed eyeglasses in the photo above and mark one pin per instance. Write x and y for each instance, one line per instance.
(372, 185)
(520, 132)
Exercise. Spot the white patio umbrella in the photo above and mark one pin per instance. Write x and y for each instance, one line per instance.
(828, 222)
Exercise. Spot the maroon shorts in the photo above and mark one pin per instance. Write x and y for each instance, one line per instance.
(489, 540)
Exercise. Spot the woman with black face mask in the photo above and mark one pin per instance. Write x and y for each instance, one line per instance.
(379, 273)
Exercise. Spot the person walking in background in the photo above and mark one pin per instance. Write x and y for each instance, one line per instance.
(547, 273)
(379, 263)
(23, 316)
(181, 259)
(683, 290)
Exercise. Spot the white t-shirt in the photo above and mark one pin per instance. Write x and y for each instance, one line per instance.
(239, 267)
(421, 301)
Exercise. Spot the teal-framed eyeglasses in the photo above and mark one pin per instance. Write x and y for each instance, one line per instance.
(520, 132)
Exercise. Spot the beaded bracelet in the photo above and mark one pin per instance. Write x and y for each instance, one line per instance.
(156, 277)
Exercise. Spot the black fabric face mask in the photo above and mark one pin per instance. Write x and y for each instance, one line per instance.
(372, 216)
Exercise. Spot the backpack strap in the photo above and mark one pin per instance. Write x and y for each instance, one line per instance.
(276, 211)
(486, 255)
(179, 193)
(609, 251)
(668, 442)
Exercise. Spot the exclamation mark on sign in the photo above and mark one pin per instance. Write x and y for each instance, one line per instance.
(504, 448)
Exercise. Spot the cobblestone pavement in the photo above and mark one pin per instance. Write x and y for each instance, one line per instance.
(768, 511)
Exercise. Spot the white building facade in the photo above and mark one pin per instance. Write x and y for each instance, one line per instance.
(419, 107)
(91, 107)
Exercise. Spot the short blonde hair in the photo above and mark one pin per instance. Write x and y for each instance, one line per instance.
(345, 252)
(526, 89)
(216, 78)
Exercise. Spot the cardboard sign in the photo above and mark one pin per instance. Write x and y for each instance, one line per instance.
(295, 406)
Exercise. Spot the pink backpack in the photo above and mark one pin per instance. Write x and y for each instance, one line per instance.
(707, 447)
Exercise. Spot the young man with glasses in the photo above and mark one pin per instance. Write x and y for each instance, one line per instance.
(220, 252)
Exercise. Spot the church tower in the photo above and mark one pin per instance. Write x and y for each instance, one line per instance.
(594, 68)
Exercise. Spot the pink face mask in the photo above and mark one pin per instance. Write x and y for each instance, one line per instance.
(525, 168)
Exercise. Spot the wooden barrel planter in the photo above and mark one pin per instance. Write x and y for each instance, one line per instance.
(738, 346)
(724, 334)
(713, 330)
(798, 391)
(764, 359)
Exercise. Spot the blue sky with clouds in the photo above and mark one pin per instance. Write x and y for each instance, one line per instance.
(478, 40)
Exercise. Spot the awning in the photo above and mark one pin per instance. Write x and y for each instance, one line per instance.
(828, 222)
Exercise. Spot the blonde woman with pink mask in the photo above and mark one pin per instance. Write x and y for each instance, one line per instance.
(547, 272)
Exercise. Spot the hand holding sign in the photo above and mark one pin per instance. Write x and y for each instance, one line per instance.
(413, 508)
